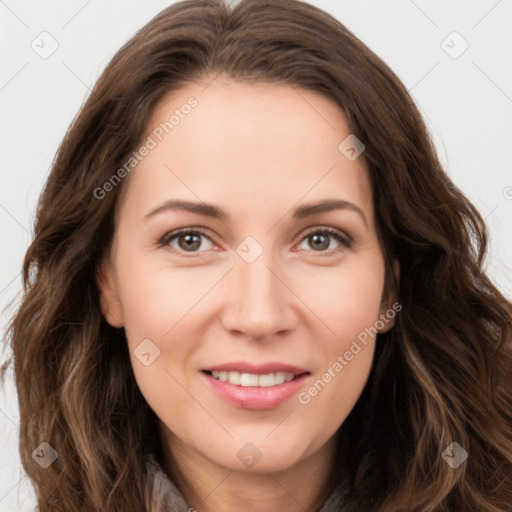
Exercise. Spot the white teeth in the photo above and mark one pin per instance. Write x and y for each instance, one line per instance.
(250, 379)
(281, 377)
(234, 377)
(265, 381)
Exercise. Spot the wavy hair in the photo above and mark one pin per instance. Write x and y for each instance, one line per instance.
(441, 375)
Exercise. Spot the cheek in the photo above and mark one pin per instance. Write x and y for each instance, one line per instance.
(349, 302)
(346, 357)
(159, 307)
(155, 299)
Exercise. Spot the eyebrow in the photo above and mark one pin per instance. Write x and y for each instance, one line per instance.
(301, 212)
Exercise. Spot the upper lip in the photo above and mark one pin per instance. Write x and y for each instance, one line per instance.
(256, 369)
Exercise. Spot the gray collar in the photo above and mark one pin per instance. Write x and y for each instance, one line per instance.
(166, 496)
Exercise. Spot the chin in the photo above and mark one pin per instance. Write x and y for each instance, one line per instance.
(261, 456)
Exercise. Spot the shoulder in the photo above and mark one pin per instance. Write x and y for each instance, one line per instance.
(164, 492)
(165, 495)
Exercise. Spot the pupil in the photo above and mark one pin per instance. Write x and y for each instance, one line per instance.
(192, 241)
(320, 245)
(189, 241)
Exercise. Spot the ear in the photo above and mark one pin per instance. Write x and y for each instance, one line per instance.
(389, 306)
(109, 297)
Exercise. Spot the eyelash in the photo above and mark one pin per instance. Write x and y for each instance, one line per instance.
(345, 240)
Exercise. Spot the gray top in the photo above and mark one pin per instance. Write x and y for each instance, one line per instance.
(166, 496)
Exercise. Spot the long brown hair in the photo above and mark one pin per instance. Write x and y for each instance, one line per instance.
(441, 375)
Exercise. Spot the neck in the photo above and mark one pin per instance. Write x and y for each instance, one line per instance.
(208, 487)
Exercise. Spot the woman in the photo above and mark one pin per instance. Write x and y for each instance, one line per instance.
(253, 286)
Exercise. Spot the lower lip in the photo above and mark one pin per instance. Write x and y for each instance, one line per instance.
(254, 397)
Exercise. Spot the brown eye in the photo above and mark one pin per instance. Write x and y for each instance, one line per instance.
(321, 239)
(188, 240)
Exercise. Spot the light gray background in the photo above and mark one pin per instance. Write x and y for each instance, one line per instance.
(466, 101)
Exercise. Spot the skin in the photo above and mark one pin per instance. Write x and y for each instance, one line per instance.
(257, 151)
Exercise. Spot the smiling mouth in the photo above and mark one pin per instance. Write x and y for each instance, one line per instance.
(252, 379)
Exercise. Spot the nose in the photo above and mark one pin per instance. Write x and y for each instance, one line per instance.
(259, 303)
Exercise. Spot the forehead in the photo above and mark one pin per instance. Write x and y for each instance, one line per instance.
(253, 147)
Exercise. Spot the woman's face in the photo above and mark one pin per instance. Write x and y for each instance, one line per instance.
(263, 288)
